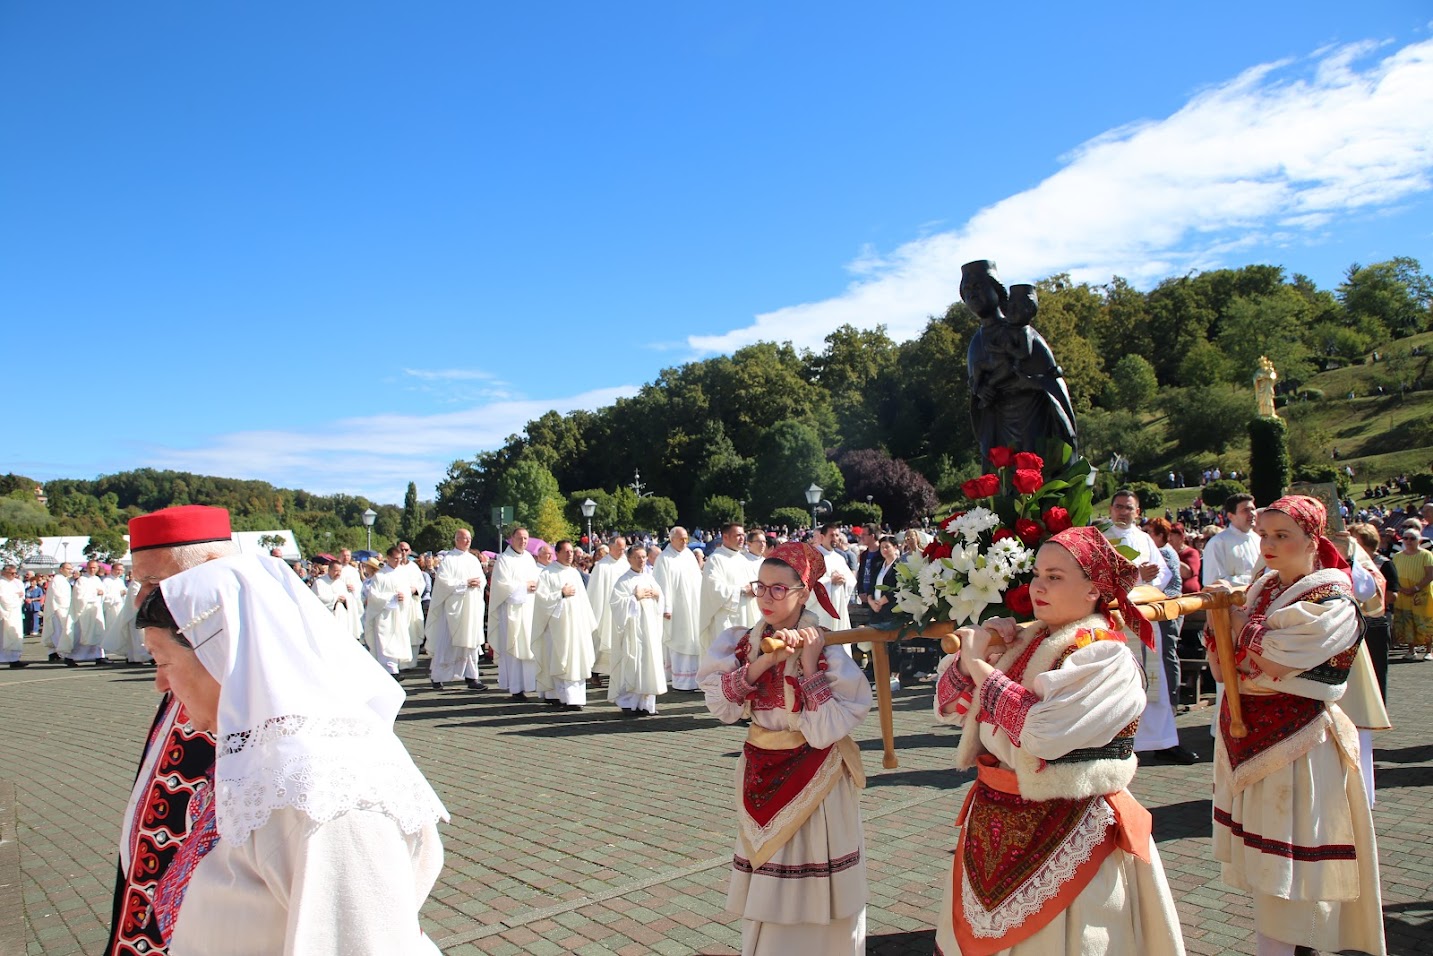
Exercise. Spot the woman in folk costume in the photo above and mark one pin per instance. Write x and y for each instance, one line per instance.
(1054, 854)
(1291, 820)
(799, 872)
(317, 833)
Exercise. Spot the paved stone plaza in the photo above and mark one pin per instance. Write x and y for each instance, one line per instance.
(589, 833)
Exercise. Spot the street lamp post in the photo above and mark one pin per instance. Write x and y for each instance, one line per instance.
(588, 507)
(813, 498)
(369, 517)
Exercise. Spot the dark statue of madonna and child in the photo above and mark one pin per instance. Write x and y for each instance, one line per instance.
(1018, 397)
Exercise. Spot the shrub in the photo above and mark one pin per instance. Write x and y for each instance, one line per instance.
(858, 512)
(1149, 495)
(1422, 483)
(793, 518)
(720, 510)
(1322, 475)
(1217, 492)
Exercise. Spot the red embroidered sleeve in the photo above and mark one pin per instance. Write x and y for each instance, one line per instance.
(954, 687)
(735, 687)
(1005, 704)
(1251, 638)
(815, 690)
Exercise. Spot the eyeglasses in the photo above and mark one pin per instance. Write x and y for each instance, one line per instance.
(778, 592)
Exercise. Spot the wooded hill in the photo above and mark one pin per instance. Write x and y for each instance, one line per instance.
(1162, 378)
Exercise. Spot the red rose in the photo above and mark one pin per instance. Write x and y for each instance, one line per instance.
(1027, 481)
(1018, 601)
(1056, 519)
(1028, 531)
(1001, 534)
(983, 487)
(1028, 459)
(1000, 457)
(936, 550)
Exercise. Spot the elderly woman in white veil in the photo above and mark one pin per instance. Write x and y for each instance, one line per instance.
(319, 835)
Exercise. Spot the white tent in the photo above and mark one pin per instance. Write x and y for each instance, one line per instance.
(249, 543)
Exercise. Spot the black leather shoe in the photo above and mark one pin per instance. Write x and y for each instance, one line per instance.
(552, 703)
(476, 684)
(54, 656)
(71, 663)
(1179, 755)
(518, 697)
(436, 685)
(19, 665)
(571, 706)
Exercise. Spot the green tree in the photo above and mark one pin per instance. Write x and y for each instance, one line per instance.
(794, 518)
(549, 523)
(106, 546)
(1104, 434)
(1396, 294)
(1207, 419)
(790, 460)
(656, 514)
(412, 521)
(437, 535)
(1132, 384)
(1203, 364)
(719, 510)
(1068, 313)
(524, 487)
(1271, 325)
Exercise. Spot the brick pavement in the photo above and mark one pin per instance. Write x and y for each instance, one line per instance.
(588, 833)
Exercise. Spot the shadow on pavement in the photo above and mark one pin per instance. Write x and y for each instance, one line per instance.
(902, 944)
(1192, 819)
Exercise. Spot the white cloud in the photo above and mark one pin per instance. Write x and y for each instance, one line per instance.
(450, 374)
(377, 455)
(1274, 155)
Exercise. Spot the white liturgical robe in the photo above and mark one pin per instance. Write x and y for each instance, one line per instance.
(87, 609)
(386, 621)
(353, 583)
(58, 632)
(680, 581)
(455, 617)
(12, 623)
(836, 569)
(637, 676)
(562, 627)
(121, 637)
(599, 592)
(727, 600)
(510, 621)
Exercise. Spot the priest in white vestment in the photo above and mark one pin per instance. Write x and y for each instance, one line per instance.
(114, 587)
(58, 633)
(599, 593)
(838, 580)
(727, 597)
(514, 582)
(455, 616)
(87, 608)
(385, 616)
(121, 637)
(637, 678)
(12, 617)
(680, 580)
(413, 606)
(562, 627)
(329, 587)
(353, 582)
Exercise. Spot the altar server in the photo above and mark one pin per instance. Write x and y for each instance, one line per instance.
(455, 617)
(514, 582)
(727, 597)
(798, 876)
(562, 627)
(599, 593)
(87, 605)
(679, 578)
(637, 674)
(385, 616)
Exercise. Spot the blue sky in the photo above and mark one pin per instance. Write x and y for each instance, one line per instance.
(335, 246)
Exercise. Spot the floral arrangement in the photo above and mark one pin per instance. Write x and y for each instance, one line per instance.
(979, 563)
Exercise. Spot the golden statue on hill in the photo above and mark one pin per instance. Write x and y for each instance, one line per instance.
(1264, 379)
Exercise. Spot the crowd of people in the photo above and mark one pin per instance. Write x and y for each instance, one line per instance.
(273, 763)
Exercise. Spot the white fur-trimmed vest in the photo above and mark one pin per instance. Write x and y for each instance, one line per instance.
(1087, 772)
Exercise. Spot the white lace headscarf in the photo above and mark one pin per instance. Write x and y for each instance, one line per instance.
(305, 714)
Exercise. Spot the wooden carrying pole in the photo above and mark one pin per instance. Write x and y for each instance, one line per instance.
(1151, 603)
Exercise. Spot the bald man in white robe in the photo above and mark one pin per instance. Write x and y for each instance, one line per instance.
(58, 632)
(637, 679)
(599, 590)
(455, 616)
(87, 607)
(679, 578)
(353, 583)
(510, 607)
(562, 627)
(727, 597)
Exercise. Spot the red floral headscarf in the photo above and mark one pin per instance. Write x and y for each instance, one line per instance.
(1109, 571)
(1312, 518)
(809, 564)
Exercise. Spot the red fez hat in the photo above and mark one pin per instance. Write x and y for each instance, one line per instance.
(173, 527)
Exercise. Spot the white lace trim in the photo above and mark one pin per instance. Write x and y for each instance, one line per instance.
(322, 767)
(1044, 883)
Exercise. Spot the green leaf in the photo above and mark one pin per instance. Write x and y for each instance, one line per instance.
(1128, 552)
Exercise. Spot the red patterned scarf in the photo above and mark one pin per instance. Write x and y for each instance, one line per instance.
(1109, 571)
(809, 564)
